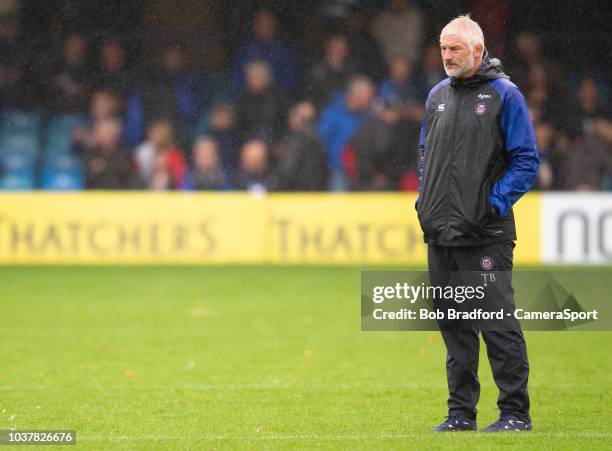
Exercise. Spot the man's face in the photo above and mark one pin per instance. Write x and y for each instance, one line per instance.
(257, 78)
(107, 134)
(360, 96)
(74, 49)
(400, 69)
(254, 156)
(337, 50)
(103, 105)
(457, 56)
(113, 56)
(587, 92)
(173, 60)
(302, 115)
(205, 155)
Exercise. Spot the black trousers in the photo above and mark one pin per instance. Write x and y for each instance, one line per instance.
(506, 348)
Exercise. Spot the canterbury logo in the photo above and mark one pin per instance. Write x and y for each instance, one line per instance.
(441, 107)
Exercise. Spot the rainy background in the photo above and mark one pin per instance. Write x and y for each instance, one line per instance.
(278, 96)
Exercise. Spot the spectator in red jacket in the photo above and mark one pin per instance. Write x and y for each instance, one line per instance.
(160, 153)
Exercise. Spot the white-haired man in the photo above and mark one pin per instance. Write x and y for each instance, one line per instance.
(478, 157)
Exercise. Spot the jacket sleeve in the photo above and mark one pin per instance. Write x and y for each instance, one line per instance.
(523, 158)
(326, 127)
(421, 152)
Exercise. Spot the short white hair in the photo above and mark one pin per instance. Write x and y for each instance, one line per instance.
(468, 30)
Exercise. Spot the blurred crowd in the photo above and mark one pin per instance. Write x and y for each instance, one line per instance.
(348, 119)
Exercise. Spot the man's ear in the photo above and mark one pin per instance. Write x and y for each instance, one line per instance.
(478, 50)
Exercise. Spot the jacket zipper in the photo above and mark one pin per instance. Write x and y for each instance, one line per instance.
(452, 163)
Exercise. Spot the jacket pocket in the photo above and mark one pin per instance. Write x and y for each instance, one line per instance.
(424, 223)
(475, 225)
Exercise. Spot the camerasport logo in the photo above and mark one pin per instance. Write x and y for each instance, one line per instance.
(481, 109)
(487, 263)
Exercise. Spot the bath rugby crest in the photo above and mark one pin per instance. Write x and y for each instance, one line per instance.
(481, 109)
(487, 263)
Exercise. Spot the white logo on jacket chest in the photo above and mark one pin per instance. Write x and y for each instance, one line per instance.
(441, 107)
(484, 96)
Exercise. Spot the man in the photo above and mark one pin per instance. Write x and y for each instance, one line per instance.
(254, 173)
(378, 149)
(108, 164)
(339, 122)
(478, 157)
(399, 28)
(302, 163)
(171, 91)
(262, 107)
(207, 173)
(332, 73)
(267, 46)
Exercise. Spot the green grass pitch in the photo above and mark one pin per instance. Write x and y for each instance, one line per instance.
(245, 357)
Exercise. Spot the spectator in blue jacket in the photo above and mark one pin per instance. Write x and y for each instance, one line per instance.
(267, 46)
(340, 121)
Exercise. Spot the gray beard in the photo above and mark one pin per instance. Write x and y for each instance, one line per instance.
(462, 70)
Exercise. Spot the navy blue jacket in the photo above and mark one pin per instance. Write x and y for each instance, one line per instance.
(477, 151)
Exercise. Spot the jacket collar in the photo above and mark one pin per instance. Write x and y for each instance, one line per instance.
(489, 69)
